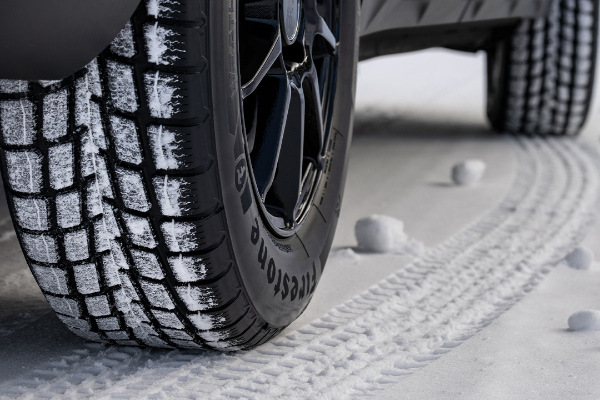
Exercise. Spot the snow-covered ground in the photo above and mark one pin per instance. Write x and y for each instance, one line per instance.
(474, 303)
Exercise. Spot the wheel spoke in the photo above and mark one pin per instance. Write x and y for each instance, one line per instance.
(324, 31)
(314, 116)
(274, 101)
(251, 120)
(262, 46)
(317, 26)
(285, 191)
(267, 64)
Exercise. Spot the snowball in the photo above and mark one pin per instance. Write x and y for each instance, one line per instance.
(580, 258)
(585, 321)
(468, 172)
(380, 234)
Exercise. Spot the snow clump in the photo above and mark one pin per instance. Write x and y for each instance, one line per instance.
(468, 173)
(384, 234)
(585, 321)
(580, 258)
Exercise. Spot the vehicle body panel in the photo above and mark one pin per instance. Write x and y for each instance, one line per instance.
(394, 26)
(51, 39)
(383, 15)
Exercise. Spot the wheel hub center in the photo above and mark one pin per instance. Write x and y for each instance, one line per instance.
(291, 19)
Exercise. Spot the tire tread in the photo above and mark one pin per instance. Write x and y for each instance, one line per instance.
(152, 305)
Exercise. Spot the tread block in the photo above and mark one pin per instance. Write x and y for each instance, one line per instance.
(175, 96)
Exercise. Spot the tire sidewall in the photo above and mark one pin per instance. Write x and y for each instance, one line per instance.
(278, 275)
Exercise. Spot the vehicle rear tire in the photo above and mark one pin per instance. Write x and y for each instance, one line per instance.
(540, 78)
(139, 187)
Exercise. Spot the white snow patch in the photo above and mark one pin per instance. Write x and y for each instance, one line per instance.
(164, 147)
(157, 295)
(143, 329)
(162, 99)
(188, 269)
(93, 78)
(468, 173)
(180, 236)
(123, 44)
(175, 334)
(127, 286)
(98, 188)
(214, 338)
(61, 163)
(223, 345)
(159, 40)
(385, 234)
(202, 322)
(98, 306)
(140, 231)
(56, 112)
(86, 278)
(122, 86)
(160, 8)
(347, 254)
(112, 263)
(101, 171)
(41, 248)
(196, 298)
(168, 319)
(68, 209)
(92, 163)
(206, 322)
(64, 306)
(147, 264)
(18, 123)
(580, 258)
(87, 114)
(13, 86)
(76, 245)
(108, 324)
(31, 213)
(126, 140)
(48, 82)
(90, 146)
(53, 280)
(169, 192)
(588, 320)
(133, 314)
(106, 229)
(24, 171)
(133, 190)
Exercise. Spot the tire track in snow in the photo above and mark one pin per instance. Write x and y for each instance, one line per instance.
(402, 323)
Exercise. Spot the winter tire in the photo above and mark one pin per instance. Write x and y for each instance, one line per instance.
(182, 190)
(540, 78)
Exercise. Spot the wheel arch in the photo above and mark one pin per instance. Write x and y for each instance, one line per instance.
(51, 39)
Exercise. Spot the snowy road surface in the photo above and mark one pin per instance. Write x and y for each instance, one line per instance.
(377, 322)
